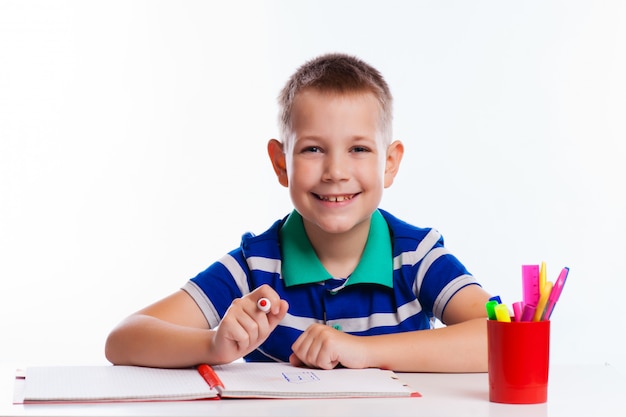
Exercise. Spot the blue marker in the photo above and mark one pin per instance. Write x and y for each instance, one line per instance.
(496, 298)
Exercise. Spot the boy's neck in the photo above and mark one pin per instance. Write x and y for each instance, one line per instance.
(340, 253)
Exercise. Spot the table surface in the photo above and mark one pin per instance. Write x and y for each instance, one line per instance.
(574, 390)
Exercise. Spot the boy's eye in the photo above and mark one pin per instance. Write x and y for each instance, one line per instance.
(358, 149)
(312, 149)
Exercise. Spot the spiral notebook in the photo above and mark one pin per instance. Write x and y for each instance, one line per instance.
(63, 384)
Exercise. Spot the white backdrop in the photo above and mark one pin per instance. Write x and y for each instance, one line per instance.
(133, 133)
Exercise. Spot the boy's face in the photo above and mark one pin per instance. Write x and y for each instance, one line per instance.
(337, 166)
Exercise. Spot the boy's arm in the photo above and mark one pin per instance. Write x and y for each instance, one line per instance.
(461, 346)
(173, 332)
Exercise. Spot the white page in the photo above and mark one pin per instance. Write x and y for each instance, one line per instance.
(284, 380)
(113, 383)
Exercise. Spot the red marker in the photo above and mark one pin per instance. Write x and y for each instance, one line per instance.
(264, 305)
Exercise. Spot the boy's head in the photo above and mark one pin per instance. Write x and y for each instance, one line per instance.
(336, 154)
(339, 74)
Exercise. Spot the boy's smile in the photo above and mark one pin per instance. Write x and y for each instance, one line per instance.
(336, 165)
(336, 198)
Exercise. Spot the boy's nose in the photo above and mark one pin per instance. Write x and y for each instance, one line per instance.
(336, 168)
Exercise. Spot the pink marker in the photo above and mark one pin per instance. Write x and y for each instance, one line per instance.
(555, 294)
(528, 312)
(518, 308)
(264, 305)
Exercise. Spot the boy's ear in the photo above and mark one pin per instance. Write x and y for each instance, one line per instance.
(277, 156)
(395, 151)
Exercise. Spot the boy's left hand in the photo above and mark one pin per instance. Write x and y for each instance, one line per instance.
(321, 346)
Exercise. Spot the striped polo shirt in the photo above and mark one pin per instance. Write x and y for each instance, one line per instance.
(423, 278)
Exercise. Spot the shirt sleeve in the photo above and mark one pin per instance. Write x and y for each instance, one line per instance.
(215, 288)
(440, 276)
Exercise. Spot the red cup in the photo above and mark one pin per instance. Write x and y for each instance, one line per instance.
(519, 360)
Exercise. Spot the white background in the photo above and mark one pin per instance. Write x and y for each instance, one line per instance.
(133, 133)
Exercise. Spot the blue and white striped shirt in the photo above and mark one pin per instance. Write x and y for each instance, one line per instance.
(425, 277)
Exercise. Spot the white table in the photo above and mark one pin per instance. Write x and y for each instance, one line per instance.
(574, 390)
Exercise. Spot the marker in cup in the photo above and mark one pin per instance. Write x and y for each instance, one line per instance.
(264, 305)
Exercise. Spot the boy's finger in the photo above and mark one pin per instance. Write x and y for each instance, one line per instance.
(295, 360)
(274, 318)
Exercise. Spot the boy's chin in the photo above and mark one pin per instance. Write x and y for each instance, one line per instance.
(339, 226)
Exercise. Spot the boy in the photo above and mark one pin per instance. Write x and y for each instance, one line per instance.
(348, 284)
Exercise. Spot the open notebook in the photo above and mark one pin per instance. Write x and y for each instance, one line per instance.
(235, 380)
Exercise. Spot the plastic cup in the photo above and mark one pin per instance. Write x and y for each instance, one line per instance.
(519, 361)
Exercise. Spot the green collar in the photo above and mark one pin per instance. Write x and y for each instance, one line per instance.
(300, 264)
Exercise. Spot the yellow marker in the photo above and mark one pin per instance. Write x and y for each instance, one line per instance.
(502, 313)
(543, 300)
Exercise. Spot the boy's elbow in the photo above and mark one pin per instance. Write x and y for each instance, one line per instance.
(113, 351)
(109, 350)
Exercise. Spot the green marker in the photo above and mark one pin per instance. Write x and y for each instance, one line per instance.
(490, 306)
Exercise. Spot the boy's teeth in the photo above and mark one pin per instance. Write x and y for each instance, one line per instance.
(336, 199)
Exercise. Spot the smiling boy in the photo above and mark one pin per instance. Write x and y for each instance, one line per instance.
(349, 284)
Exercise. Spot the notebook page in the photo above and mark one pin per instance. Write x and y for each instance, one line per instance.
(278, 380)
(113, 383)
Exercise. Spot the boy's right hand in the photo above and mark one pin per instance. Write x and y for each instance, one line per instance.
(244, 326)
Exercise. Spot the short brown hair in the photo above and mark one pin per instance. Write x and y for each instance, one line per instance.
(336, 73)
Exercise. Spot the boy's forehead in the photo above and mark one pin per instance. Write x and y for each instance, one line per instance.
(320, 107)
(316, 107)
(310, 101)
(321, 114)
